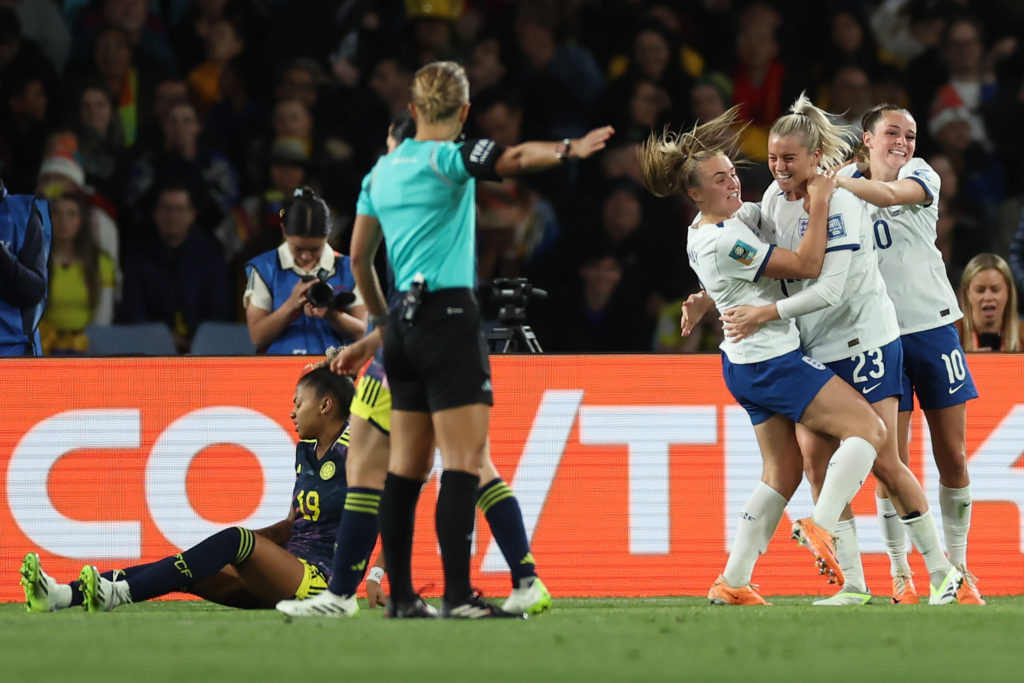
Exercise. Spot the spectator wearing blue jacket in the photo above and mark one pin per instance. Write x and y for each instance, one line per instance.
(24, 250)
(285, 311)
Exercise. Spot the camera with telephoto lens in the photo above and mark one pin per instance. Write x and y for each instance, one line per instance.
(321, 294)
(511, 294)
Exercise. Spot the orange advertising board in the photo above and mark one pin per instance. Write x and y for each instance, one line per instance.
(629, 469)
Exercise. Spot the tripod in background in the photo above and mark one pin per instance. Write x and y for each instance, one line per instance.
(512, 294)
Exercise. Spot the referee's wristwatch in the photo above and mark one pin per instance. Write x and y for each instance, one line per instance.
(380, 320)
(562, 150)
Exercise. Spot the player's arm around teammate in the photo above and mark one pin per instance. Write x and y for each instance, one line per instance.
(847, 321)
(905, 191)
(769, 376)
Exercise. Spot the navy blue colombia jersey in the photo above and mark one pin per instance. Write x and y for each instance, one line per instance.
(318, 500)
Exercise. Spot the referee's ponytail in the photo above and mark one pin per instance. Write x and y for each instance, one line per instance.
(306, 214)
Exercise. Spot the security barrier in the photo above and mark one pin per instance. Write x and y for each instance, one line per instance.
(629, 469)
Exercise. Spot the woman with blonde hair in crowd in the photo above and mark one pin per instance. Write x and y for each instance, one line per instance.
(989, 299)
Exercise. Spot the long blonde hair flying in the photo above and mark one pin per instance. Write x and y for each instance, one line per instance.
(669, 161)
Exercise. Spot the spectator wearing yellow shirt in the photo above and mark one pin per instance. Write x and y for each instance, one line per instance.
(81, 279)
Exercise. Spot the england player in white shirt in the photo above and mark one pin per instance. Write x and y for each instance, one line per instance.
(848, 322)
(903, 192)
(768, 374)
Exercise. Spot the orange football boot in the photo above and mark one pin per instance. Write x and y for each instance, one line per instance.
(820, 543)
(722, 593)
(903, 590)
(968, 593)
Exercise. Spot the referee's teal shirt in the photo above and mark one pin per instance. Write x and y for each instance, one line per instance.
(424, 199)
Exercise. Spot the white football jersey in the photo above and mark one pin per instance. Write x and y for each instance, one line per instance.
(864, 318)
(910, 262)
(729, 258)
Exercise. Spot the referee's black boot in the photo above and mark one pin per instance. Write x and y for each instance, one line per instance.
(475, 607)
(417, 608)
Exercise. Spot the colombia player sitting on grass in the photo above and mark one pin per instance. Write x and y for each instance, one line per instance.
(240, 567)
(367, 463)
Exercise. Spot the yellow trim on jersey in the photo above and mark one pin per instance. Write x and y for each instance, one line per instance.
(313, 581)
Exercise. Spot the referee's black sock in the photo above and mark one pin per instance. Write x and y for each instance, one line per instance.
(397, 517)
(456, 513)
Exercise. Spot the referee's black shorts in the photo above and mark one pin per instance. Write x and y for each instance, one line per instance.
(440, 361)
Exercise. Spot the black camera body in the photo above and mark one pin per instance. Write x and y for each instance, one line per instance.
(512, 333)
(511, 294)
(321, 294)
(514, 291)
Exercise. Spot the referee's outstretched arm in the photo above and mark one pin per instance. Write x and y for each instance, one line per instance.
(531, 156)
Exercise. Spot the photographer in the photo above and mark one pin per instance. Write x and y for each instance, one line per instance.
(24, 249)
(300, 298)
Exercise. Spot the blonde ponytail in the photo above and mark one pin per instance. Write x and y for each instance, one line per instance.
(816, 131)
(439, 89)
(669, 162)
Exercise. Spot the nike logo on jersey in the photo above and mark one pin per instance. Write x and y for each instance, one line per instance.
(868, 390)
(958, 387)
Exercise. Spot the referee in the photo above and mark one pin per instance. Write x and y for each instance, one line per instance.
(420, 199)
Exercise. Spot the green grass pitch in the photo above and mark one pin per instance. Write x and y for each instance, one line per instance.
(593, 640)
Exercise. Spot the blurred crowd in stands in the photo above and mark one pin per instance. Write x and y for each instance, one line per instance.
(167, 134)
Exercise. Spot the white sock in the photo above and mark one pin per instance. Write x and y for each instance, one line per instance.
(956, 521)
(60, 596)
(894, 536)
(925, 536)
(848, 553)
(121, 592)
(757, 523)
(847, 470)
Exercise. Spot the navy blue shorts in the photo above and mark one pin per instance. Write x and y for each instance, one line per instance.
(876, 373)
(935, 368)
(784, 385)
